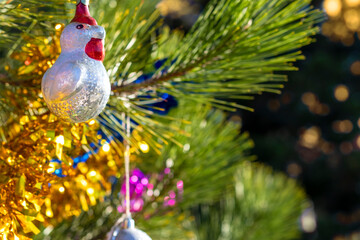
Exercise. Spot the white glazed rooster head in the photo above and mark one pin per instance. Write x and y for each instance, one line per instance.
(83, 33)
(77, 35)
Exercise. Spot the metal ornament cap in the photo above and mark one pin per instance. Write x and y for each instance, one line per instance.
(126, 231)
(85, 2)
(129, 234)
(128, 223)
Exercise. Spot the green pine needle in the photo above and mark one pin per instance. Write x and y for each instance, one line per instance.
(262, 205)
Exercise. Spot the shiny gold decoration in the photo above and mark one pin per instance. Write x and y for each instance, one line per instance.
(344, 20)
(30, 193)
(24, 178)
(83, 186)
(37, 56)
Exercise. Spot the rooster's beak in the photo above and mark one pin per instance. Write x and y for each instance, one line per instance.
(98, 32)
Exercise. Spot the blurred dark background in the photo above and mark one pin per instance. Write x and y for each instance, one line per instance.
(311, 131)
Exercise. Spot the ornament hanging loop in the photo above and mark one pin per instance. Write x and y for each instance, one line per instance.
(124, 228)
(127, 127)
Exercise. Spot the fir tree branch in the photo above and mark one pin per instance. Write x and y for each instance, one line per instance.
(238, 217)
(247, 44)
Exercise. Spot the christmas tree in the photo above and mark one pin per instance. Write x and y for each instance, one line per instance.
(191, 171)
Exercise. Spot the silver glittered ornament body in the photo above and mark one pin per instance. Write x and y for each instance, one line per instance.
(76, 88)
(127, 231)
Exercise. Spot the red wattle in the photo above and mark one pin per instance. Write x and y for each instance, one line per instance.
(95, 49)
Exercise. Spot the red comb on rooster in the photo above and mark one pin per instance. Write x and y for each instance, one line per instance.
(82, 14)
(76, 88)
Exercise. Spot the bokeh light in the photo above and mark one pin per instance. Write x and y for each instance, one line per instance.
(355, 68)
(310, 137)
(309, 98)
(294, 170)
(144, 147)
(176, 8)
(352, 19)
(61, 189)
(314, 104)
(308, 221)
(341, 93)
(106, 147)
(346, 148)
(60, 140)
(92, 122)
(345, 126)
(333, 7)
(90, 191)
(344, 20)
(353, 3)
(357, 141)
(58, 26)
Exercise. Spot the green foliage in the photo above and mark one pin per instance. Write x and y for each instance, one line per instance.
(27, 18)
(209, 154)
(129, 27)
(263, 205)
(205, 164)
(233, 51)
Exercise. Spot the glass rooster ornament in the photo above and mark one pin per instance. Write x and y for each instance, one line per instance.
(76, 88)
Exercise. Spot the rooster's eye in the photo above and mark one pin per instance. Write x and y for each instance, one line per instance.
(80, 26)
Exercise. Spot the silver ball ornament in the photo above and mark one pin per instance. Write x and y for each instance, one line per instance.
(127, 231)
(76, 88)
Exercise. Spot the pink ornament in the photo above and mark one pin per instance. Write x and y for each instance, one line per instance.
(172, 194)
(167, 170)
(180, 184)
(171, 202)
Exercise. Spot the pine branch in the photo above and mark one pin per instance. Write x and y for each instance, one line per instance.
(262, 205)
(22, 17)
(234, 49)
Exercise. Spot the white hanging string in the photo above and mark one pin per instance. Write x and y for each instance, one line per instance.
(127, 163)
(120, 222)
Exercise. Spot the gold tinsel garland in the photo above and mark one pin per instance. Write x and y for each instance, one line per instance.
(30, 192)
(31, 139)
